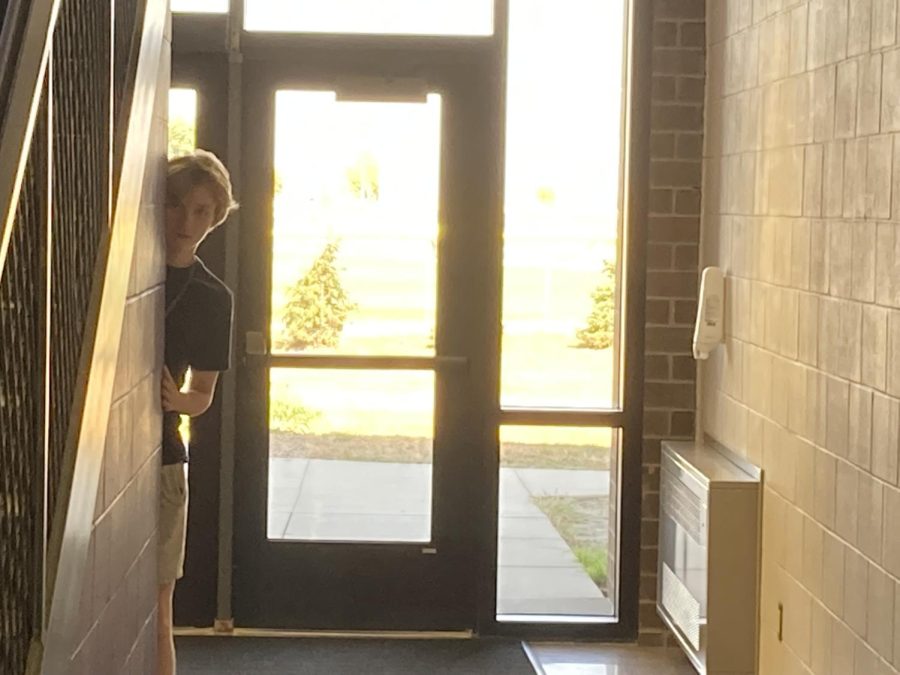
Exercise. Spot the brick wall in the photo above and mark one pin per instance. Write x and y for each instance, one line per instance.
(676, 147)
(120, 585)
(803, 111)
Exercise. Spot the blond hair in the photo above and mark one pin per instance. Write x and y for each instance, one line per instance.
(201, 167)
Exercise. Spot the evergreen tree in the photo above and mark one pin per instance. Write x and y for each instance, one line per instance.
(601, 322)
(317, 305)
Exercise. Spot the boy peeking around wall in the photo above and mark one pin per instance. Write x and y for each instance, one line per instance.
(197, 348)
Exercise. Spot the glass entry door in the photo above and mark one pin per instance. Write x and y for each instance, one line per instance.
(359, 466)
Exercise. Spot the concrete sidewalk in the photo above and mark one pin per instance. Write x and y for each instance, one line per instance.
(334, 500)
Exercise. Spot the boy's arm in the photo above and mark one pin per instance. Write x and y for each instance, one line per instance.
(193, 401)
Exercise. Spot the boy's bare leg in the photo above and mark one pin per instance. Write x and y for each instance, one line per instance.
(166, 640)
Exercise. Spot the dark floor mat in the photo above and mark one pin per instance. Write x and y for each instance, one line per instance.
(306, 656)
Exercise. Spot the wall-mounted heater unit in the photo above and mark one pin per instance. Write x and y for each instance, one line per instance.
(709, 542)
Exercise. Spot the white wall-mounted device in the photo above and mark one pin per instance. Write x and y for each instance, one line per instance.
(709, 330)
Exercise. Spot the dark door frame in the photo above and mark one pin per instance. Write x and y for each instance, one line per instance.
(378, 586)
(200, 41)
(195, 596)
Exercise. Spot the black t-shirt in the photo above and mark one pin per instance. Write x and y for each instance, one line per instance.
(198, 336)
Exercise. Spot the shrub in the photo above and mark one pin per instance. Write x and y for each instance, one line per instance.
(292, 417)
(317, 305)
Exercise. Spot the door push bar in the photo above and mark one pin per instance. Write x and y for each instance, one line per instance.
(257, 354)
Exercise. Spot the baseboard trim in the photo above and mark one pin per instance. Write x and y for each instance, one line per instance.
(279, 633)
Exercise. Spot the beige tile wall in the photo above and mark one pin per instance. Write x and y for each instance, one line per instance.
(802, 209)
(119, 591)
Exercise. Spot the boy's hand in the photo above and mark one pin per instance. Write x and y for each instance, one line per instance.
(171, 396)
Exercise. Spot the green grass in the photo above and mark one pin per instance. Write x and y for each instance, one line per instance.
(582, 523)
(354, 448)
(538, 371)
(594, 560)
(418, 450)
(560, 511)
(399, 404)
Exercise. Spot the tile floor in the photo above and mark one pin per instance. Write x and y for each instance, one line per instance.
(585, 659)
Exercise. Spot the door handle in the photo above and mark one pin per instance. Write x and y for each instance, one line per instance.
(256, 354)
(451, 362)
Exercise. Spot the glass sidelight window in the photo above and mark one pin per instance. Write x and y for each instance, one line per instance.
(182, 121)
(561, 347)
(561, 237)
(554, 526)
(182, 141)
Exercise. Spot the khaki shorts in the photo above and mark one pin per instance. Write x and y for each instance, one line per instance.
(173, 501)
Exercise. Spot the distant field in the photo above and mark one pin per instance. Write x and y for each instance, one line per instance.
(388, 268)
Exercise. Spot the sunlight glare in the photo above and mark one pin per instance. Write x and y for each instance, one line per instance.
(389, 17)
(200, 6)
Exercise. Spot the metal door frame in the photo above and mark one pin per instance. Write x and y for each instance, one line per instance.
(197, 37)
(375, 574)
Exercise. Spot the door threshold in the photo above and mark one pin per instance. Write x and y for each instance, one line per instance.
(328, 634)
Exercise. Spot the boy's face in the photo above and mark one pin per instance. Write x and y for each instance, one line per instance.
(188, 222)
